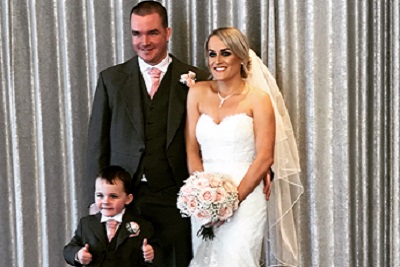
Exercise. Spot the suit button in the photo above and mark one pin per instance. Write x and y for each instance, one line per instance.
(149, 122)
(141, 149)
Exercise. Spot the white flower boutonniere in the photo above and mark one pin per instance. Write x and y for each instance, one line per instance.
(189, 79)
(133, 228)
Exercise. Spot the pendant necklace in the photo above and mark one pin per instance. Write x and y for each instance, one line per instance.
(223, 99)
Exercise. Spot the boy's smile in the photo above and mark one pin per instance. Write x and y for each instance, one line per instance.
(111, 198)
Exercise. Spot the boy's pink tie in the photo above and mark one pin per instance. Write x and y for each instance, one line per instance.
(155, 80)
(111, 228)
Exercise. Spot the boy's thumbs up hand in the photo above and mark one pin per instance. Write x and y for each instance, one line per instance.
(148, 252)
(144, 243)
(84, 255)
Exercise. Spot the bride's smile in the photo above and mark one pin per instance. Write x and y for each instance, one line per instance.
(222, 62)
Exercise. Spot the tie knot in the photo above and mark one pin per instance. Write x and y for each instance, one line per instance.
(155, 73)
(112, 224)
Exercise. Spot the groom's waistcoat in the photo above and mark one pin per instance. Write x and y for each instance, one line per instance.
(154, 164)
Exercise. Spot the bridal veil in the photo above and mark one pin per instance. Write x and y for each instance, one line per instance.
(281, 245)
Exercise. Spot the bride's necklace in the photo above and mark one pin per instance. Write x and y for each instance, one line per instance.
(223, 99)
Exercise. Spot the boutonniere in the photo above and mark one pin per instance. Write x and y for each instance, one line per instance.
(189, 79)
(133, 228)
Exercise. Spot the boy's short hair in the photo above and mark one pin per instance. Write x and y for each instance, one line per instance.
(113, 173)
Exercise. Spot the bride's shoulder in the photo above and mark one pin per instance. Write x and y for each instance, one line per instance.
(202, 87)
(257, 93)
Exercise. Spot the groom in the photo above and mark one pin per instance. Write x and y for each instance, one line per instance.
(138, 121)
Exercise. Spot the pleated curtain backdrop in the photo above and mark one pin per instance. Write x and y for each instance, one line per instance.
(336, 62)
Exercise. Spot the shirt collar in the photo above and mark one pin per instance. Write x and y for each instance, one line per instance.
(162, 66)
(117, 217)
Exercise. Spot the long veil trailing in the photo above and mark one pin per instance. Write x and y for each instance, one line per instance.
(281, 247)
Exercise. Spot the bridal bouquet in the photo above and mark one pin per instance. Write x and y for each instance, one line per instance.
(208, 198)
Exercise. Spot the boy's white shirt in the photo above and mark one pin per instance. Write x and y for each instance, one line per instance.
(117, 217)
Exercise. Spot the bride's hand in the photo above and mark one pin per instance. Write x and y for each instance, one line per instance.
(217, 223)
(267, 184)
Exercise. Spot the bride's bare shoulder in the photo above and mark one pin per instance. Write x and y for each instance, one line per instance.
(202, 87)
(257, 92)
(259, 97)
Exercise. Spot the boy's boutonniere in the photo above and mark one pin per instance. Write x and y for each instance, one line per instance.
(189, 79)
(133, 228)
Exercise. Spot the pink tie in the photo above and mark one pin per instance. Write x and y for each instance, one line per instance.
(111, 228)
(155, 80)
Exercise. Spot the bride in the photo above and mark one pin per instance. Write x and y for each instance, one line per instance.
(237, 124)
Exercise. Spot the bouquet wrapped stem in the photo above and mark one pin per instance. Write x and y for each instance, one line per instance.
(206, 231)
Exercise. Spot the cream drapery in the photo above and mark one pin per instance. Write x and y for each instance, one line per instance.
(336, 62)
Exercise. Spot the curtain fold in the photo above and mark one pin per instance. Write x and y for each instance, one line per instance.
(336, 62)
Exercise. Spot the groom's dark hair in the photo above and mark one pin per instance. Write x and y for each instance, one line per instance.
(149, 7)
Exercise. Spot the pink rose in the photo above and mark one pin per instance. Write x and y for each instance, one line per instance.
(229, 187)
(214, 181)
(220, 194)
(224, 213)
(207, 195)
(189, 79)
(235, 204)
(207, 175)
(187, 190)
(201, 183)
(183, 201)
(203, 217)
(192, 205)
(133, 228)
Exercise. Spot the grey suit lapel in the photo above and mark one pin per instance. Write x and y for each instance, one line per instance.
(131, 96)
(122, 235)
(130, 93)
(177, 99)
(123, 231)
(99, 229)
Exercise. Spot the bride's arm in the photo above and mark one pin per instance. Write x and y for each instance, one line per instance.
(264, 131)
(192, 116)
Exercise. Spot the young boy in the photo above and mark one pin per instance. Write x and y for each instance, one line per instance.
(98, 243)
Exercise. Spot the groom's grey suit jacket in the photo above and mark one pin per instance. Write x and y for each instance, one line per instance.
(116, 128)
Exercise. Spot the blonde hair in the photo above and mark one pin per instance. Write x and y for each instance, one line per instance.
(237, 42)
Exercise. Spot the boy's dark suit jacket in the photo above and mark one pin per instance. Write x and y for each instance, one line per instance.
(128, 250)
(116, 129)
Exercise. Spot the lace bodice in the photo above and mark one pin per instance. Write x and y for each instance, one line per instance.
(232, 140)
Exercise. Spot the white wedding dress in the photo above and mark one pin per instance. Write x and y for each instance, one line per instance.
(229, 147)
